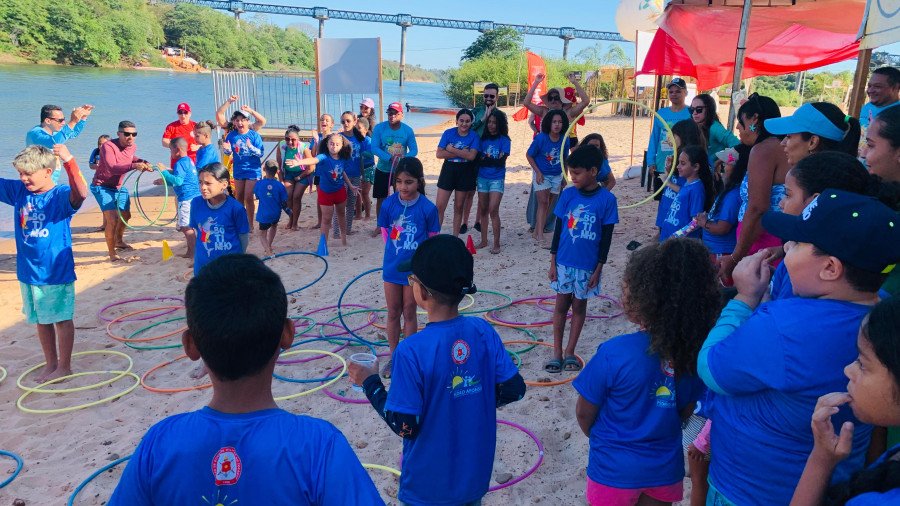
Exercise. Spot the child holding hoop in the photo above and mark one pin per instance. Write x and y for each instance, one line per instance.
(288, 158)
(638, 388)
(406, 219)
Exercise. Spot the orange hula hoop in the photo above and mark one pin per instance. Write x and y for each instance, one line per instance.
(122, 339)
(160, 390)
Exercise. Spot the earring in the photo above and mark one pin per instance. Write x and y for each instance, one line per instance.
(753, 127)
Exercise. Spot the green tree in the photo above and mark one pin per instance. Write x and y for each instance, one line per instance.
(591, 54)
(499, 42)
(617, 56)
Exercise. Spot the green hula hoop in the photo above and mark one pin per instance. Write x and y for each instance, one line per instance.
(495, 308)
(148, 327)
(591, 108)
(350, 313)
(531, 335)
(161, 211)
(312, 325)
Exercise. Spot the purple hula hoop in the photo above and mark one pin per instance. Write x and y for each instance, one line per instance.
(536, 465)
(493, 314)
(540, 305)
(341, 398)
(140, 299)
(370, 321)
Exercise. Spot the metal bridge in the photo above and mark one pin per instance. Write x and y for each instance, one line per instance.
(404, 21)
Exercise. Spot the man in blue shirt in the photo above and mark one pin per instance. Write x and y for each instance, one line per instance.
(242, 445)
(391, 140)
(54, 129)
(447, 381)
(883, 91)
(660, 146)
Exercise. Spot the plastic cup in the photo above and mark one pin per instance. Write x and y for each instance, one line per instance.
(366, 359)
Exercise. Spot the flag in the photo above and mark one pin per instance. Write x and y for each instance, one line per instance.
(535, 67)
(166, 251)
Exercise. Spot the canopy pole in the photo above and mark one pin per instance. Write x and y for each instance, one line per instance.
(858, 93)
(739, 60)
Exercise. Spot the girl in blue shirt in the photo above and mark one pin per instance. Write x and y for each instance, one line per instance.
(872, 393)
(288, 157)
(245, 146)
(217, 218)
(684, 133)
(720, 224)
(359, 145)
(458, 148)
(333, 183)
(694, 197)
(406, 219)
(638, 388)
(545, 156)
(495, 148)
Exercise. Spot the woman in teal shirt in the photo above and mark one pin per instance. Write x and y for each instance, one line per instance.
(703, 112)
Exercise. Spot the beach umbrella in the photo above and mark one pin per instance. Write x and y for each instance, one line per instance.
(634, 16)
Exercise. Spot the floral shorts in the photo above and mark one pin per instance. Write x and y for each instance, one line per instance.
(575, 281)
(369, 174)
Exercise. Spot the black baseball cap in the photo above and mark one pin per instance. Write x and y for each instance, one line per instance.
(443, 264)
(677, 82)
(857, 229)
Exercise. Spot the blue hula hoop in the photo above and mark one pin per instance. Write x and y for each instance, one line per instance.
(313, 380)
(311, 283)
(341, 313)
(93, 475)
(19, 465)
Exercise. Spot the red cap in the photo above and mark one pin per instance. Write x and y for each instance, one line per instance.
(570, 94)
(183, 107)
(396, 106)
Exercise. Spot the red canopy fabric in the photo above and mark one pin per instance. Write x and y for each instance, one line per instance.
(700, 41)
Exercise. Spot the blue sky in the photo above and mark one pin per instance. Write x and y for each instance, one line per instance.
(442, 48)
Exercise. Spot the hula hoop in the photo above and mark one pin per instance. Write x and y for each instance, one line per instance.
(344, 399)
(542, 302)
(340, 305)
(159, 390)
(312, 325)
(495, 308)
(140, 299)
(549, 383)
(137, 201)
(534, 467)
(158, 346)
(19, 465)
(39, 390)
(658, 117)
(137, 381)
(330, 323)
(311, 283)
(93, 475)
(141, 339)
(310, 359)
(496, 320)
(531, 335)
(2, 373)
(323, 385)
(378, 467)
(140, 206)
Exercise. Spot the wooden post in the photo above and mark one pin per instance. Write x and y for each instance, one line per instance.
(380, 88)
(739, 60)
(858, 93)
(402, 52)
(318, 84)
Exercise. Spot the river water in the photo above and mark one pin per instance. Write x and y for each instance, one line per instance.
(148, 98)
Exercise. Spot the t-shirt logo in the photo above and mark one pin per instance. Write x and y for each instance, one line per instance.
(403, 234)
(212, 236)
(460, 352)
(226, 466)
(464, 384)
(492, 152)
(32, 222)
(587, 220)
(807, 211)
(664, 390)
(552, 156)
(335, 173)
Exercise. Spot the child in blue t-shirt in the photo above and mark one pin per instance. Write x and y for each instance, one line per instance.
(208, 152)
(684, 133)
(219, 220)
(719, 225)
(334, 183)
(45, 266)
(242, 445)
(183, 178)
(360, 145)
(447, 381)
(495, 149)
(694, 197)
(638, 388)
(768, 363)
(273, 199)
(245, 147)
(407, 219)
(872, 395)
(604, 175)
(586, 214)
(545, 156)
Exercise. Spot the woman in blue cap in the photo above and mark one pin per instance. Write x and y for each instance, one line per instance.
(816, 127)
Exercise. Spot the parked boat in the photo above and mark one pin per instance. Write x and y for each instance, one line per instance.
(431, 110)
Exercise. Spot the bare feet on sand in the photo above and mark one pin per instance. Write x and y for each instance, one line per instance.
(58, 373)
(127, 260)
(186, 254)
(124, 247)
(45, 373)
(482, 245)
(495, 249)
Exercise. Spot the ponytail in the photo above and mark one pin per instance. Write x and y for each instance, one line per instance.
(847, 124)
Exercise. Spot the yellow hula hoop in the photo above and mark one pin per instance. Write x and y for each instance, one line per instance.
(658, 117)
(323, 385)
(137, 381)
(382, 468)
(39, 390)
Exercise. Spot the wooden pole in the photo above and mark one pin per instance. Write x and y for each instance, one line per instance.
(402, 52)
(318, 85)
(380, 88)
(858, 93)
(739, 60)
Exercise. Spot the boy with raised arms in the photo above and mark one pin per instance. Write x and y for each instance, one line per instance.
(768, 364)
(448, 379)
(242, 445)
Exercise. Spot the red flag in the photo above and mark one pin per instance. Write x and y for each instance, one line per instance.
(535, 67)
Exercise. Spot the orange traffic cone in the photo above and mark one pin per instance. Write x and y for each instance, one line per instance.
(470, 245)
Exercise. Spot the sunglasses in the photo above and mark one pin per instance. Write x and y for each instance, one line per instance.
(392, 113)
(489, 96)
(57, 120)
(129, 134)
(291, 139)
(182, 113)
(554, 97)
(413, 279)
(697, 110)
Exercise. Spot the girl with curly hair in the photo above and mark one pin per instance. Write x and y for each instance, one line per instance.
(638, 388)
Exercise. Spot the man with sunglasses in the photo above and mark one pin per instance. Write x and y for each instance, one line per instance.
(182, 127)
(391, 141)
(481, 112)
(55, 130)
(660, 146)
(116, 159)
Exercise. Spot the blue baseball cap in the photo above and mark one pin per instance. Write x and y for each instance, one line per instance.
(857, 229)
(805, 119)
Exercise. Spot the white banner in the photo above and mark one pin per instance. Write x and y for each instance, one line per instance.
(348, 65)
(881, 24)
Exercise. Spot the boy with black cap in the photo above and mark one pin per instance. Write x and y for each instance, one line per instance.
(447, 381)
(769, 363)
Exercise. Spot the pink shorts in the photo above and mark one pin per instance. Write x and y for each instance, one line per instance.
(601, 495)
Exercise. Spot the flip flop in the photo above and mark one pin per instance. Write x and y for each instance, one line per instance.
(554, 366)
(386, 370)
(571, 363)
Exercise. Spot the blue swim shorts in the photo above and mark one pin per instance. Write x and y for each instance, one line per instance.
(48, 303)
(111, 199)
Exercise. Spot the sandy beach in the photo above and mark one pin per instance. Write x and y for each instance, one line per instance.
(61, 450)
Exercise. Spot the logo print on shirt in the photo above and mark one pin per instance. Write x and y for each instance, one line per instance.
(212, 236)
(459, 352)
(664, 390)
(335, 173)
(492, 152)
(553, 156)
(403, 234)
(587, 220)
(464, 384)
(32, 223)
(226, 466)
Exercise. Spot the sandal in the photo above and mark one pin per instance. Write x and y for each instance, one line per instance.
(571, 363)
(554, 366)
(386, 370)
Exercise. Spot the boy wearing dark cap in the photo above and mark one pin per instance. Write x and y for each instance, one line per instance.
(447, 381)
(242, 446)
(769, 363)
